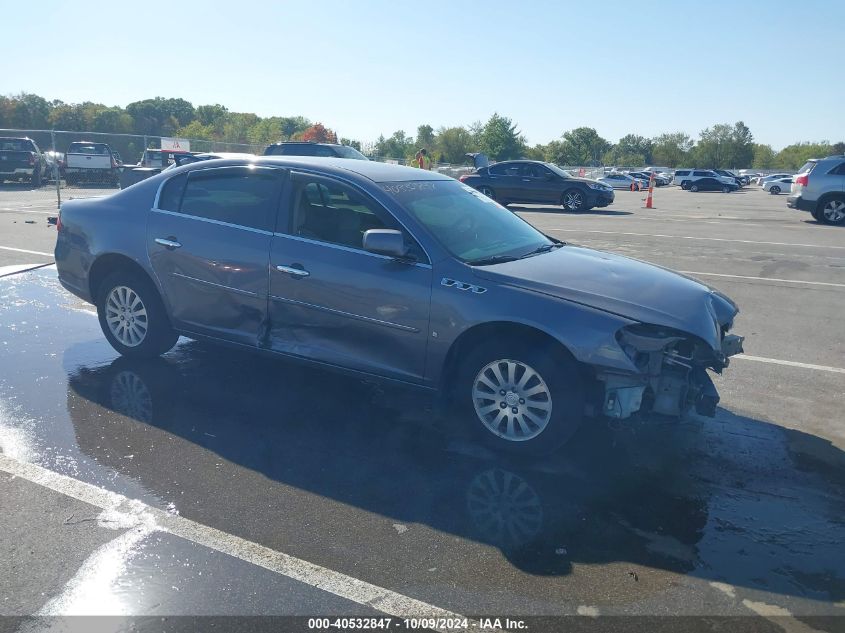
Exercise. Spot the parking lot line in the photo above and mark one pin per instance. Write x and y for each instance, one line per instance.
(23, 250)
(790, 363)
(330, 581)
(787, 281)
(696, 237)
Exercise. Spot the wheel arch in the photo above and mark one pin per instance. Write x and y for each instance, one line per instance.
(108, 263)
(497, 330)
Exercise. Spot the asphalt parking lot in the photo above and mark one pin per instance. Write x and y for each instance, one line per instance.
(215, 483)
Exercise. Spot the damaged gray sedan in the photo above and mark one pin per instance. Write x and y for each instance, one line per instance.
(398, 273)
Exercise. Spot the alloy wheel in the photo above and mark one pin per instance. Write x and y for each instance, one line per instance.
(126, 316)
(487, 192)
(512, 400)
(834, 211)
(573, 200)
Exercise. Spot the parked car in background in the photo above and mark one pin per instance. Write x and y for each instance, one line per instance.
(777, 186)
(685, 177)
(21, 160)
(302, 148)
(712, 184)
(659, 180)
(763, 179)
(187, 159)
(319, 258)
(152, 162)
(623, 181)
(55, 164)
(819, 187)
(739, 180)
(536, 182)
(91, 162)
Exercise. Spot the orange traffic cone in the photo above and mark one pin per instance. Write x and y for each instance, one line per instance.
(648, 200)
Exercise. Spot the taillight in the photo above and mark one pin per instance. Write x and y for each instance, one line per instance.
(463, 178)
(59, 221)
(802, 180)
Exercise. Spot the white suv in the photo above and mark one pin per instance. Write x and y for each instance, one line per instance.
(684, 177)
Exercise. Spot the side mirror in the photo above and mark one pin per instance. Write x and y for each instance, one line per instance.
(388, 242)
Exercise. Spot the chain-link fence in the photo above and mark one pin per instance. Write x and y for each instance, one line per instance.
(40, 168)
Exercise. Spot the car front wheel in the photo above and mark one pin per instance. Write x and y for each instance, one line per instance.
(774, 191)
(520, 397)
(133, 317)
(572, 200)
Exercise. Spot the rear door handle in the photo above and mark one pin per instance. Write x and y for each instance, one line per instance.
(170, 243)
(299, 272)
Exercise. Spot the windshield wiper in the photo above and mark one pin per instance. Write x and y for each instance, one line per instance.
(545, 248)
(493, 259)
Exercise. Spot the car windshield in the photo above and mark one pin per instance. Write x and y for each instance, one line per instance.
(471, 226)
(350, 152)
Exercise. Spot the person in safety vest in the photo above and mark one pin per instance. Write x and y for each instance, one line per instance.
(422, 159)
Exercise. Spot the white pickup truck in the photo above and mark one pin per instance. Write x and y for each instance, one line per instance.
(90, 162)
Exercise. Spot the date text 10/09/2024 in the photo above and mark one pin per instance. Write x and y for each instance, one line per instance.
(413, 624)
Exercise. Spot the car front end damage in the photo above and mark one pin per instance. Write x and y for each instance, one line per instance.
(672, 372)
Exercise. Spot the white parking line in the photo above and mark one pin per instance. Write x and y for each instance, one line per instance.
(787, 281)
(790, 363)
(23, 250)
(695, 237)
(337, 583)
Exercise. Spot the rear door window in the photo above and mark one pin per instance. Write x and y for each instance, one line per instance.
(234, 195)
(505, 169)
(703, 173)
(682, 173)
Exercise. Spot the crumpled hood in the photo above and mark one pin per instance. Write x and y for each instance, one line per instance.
(627, 287)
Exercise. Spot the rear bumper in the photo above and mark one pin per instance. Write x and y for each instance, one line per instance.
(16, 172)
(797, 202)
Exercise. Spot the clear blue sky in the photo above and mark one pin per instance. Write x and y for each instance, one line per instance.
(369, 67)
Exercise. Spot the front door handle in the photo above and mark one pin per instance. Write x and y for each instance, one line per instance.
(299, 272)
(170, 242)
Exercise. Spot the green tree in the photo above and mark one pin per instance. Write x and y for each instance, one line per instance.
(630, 147)
(160, 115)
(112, 120)
(425, 137)
(453, 143)
(211, 115)
(793, 156)
(763, 157)
(581, 146)
(500, 139)
(196, 130)
(398, 146)
(724, 146)
(672, 150)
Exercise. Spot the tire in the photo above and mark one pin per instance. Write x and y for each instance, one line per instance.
(726, 189)
(832, 210)
(774, 191)
(685, 184)
(573, 200)
(554, 385)
(693, 188)
(487, 191)
(148, 333)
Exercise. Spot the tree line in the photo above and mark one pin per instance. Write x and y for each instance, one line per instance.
(720, 146)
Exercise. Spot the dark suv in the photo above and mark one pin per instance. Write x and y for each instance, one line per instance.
(531, 181)
(325, 150)
(819, 187)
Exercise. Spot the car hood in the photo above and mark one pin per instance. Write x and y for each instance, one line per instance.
(627, 287)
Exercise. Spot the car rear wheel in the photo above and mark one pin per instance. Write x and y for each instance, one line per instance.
(133, 317)
(685, 184)
(487, 191)
(519, 396)
(693, 187)
(774, 190)
(833, 211)
(572, 200)
(726, 189)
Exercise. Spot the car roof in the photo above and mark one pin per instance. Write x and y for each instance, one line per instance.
(343, 167)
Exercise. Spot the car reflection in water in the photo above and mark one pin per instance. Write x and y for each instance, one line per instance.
(374, 447)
